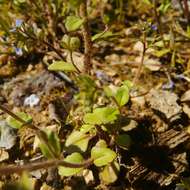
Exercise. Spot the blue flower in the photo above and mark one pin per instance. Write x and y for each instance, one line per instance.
(18, 22)
(154, 27)
(168, 86)
(18, 51)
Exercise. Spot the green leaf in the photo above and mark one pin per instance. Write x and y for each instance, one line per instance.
(17, 124)
(103, 35)
(101, 154)
(108, 91)
(78, 139)
(147, 2)
(26, 182)
(74, 43)
(123, 141)
(45, 150)
(101, 144)
(73, 23)
(73, 158)
(128, 83)
(159, 44)
(122, 95)
(110, 173)
(101, 116)
(188, 31)
(65, 41)
(75, 3)
(61, 66)
(86, 128)
(53, 144)
(164, 7)
(161, 53)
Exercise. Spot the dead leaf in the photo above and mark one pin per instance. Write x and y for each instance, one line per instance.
(88, 176)
(152, 64)
(186, 96)
(4, 155)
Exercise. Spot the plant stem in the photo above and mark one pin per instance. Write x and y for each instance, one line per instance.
(61, 74)
(10, 169)
(137, 76)
(186, 10)
(157, 18)
(86, 37)
(43, 42)
(72, 61)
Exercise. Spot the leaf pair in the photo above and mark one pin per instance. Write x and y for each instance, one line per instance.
(73, 23)
(120, 94)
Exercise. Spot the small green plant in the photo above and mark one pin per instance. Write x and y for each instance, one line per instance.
(94, 142)
(81, 150)
(64, 27)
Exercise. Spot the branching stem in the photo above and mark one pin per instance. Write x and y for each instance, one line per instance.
(5, 170)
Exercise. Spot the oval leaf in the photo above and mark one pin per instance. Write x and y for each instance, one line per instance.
(122, 95)
(17, 124)
(73, 23)
(61, 66)
(123, 141)
(102, 156)
(73, 158)
(52, 142)
(103, 35)
(86, 128)
(110, 173)
(74, 43)
(101, 116)
(78, 139)
(75, 3)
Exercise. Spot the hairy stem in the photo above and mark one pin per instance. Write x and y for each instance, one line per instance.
(10, 169)
(86, 37)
